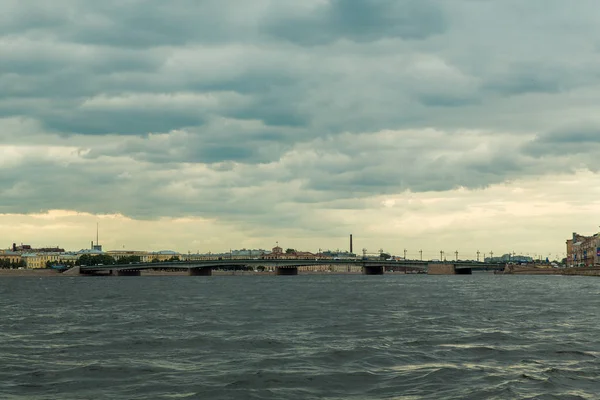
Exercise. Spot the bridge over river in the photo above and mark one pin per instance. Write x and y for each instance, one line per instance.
(290, 267)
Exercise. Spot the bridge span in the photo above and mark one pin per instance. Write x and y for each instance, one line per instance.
(290, 267)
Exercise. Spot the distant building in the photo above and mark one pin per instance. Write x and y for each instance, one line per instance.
(508, 258)
(21, 248)
(10, 256)
(583, 251)
(338, 254)
(163, 255)
(248, 253)
(96, 246)
(33, 260)
(26, 248)
(119, 254)
(91, 252)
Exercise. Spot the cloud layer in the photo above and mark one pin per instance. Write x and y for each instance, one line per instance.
(274, 113)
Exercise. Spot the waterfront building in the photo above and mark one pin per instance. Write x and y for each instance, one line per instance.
(68, 258)
(32, 260)
(583, 251)
(46, 258)
(120, 254)
(160, 256)
(40, 260)
(248, 253)
(10, 256)
(278, 254)
(200, 257)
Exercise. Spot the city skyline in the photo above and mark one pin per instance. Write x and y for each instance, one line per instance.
(214, 125)
(413, 253)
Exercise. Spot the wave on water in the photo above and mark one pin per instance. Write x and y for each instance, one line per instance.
(309, 337)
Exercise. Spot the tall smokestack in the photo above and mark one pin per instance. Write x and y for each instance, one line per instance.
(350, 243)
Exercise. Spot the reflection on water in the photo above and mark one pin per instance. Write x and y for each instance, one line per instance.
(304, 337)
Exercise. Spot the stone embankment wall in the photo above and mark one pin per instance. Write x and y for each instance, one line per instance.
(590, 271)
(514, 269)
(29, 272)
(517, 270)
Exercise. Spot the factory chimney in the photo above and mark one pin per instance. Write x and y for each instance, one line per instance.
(351, 244)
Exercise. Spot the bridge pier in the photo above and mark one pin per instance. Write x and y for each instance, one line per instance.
(200, 271)
(287, 271)
(441, 269)
(373, 270)
(129, 273)
(447, 269)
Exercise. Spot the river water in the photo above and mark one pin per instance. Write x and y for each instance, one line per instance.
(482, 336)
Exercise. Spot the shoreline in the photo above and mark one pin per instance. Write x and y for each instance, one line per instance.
(44, 273)
(580, 271)
(40, 273)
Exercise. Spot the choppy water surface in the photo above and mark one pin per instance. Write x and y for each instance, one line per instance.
(303, 337)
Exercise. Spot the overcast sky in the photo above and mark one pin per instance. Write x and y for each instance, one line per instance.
(205, 125)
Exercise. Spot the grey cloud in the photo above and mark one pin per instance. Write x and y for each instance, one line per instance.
(131, 24)
(129, 122)
(281, 104)
(340, 172)
(356, 166)
(442, 100)
(531, 79)
(362, 21)
(582, 135)
(217, 142)
(582, 140)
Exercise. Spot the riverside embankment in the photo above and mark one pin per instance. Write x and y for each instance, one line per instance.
(510, 270)
(518, 270)
(29, 272)
(54, 273)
